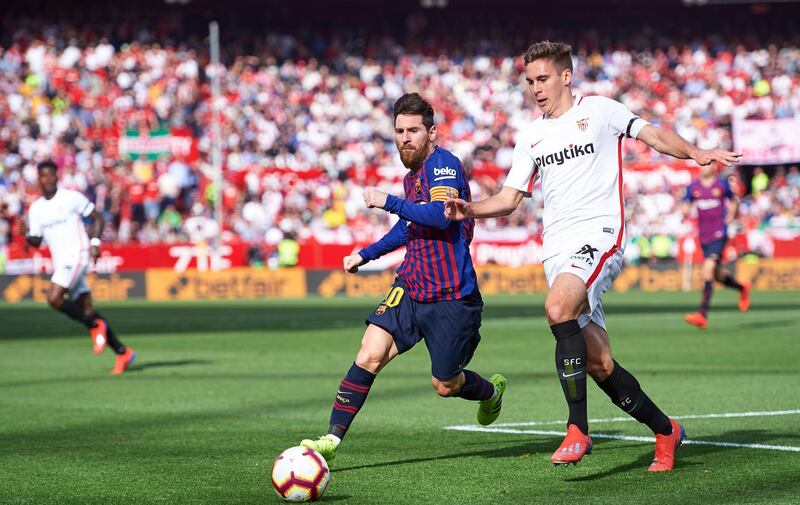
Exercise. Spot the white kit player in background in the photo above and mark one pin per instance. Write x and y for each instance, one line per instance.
(57, 219)
(575, 149)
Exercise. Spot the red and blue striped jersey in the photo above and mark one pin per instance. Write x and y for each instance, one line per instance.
(711, 208)
(437, 265)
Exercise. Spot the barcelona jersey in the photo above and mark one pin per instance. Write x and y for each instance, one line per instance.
(437, 265)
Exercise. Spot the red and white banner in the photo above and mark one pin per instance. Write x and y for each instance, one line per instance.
(178, 143)
(314, 255)
(769, 141)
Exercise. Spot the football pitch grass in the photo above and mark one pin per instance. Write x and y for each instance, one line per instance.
(220, 389)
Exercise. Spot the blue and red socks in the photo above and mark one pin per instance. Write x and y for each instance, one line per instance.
(475, 387)
(350, 397)
(708, 289)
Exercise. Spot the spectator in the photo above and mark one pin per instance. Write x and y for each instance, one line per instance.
(288, 251)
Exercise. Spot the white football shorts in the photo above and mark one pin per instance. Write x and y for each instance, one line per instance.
(71, 275)
(597, 260)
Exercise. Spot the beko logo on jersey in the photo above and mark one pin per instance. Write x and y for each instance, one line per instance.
(707, 203)
(568, 153)
(445, 173)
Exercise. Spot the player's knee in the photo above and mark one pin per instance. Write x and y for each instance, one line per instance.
(54, 301)
(444, 389)
(557, 312)
(369, 361)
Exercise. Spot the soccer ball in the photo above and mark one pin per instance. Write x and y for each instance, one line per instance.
(300, 474)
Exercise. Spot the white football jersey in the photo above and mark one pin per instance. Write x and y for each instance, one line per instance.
(59, 221)
(578, 157)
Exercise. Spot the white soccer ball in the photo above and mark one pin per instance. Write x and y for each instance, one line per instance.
(300, 474)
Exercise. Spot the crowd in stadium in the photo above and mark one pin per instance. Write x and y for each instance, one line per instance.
(307, 124)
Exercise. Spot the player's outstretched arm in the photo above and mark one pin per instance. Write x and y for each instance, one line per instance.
(396, 237)
(425, 215)
(668, 142)
(500, 204)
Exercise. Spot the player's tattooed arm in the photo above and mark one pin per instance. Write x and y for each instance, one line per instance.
(502, 203)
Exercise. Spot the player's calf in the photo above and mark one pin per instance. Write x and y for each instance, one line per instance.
(350, 397)
(624, 390)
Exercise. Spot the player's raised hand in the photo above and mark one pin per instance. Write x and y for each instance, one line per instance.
(352, 262)
(456, 209)
(727, 158)
(374, 198)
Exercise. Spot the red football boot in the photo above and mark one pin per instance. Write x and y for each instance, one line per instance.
(664, 461)
(573, 448)
(123, 361)
(696, 319)
(744, 297)
(98, 334)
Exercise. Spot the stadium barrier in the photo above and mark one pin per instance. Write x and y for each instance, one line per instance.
(159, 284)
(525, 250)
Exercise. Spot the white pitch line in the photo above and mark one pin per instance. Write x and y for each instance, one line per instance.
(766, 413)
(506, 428)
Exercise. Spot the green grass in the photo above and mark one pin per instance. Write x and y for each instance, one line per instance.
(221, 388)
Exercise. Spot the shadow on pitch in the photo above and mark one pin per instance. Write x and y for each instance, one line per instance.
(335, 497)
(137, 367)
(757, 325)
(512, 451)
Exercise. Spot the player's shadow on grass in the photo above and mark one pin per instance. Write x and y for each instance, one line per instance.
(768, 324)
(525, 449)
(138, 367)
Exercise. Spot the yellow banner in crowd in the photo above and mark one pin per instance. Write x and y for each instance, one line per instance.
(236, 283)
